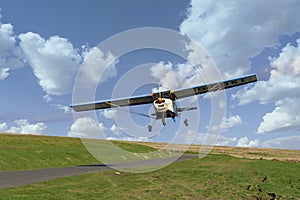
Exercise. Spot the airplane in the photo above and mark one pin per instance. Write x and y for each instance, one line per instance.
(164, 102)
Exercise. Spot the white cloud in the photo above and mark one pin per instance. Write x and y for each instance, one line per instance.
(116, 130)
(175, 76)
(272, 90)
(108, 113)
(233, 121)
(160, 69)
(134, 139)
(65, 109)
(97, 67)
(234, 31)
(54, 61)
(289, 142)
(245, 142)
(229, 122)
(4, 73)
(285, 116)
(47, 98)
(87, 127)
(209, 139)
(3, 127)
(23, 126)
(283, 88)
(199, 69)
(10, 55)
(225, 141)
(7, 39)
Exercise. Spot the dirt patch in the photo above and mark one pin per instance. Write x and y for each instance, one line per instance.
(240, 152)
(9, 147)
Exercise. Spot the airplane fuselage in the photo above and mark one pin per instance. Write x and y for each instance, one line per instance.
(165, 108)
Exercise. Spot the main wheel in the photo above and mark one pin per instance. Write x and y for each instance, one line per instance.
(186, 122)
(149, 128)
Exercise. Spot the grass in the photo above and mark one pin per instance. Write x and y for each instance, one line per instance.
(217, 176)
(240, 152)
(19, 152)
(213, 177)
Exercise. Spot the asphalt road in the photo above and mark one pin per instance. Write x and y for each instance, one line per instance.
(18, 178)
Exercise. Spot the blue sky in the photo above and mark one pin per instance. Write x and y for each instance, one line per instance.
(43, 44)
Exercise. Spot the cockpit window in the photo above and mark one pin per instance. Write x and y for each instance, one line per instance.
(162, 101)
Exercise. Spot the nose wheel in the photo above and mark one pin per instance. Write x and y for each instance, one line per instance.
(164, 121)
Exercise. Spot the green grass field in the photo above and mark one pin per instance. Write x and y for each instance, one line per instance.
(18, 152)
(213, 177)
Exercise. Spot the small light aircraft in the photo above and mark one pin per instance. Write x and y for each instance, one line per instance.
(164, 103)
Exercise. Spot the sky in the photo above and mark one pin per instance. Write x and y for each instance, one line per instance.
(44, 44)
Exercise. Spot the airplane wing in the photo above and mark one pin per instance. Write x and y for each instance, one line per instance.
(177, 94)
(114, 103)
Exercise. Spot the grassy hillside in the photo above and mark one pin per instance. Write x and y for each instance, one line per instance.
(213, 177)
(240, 152)
(19, 152)
(217, 176)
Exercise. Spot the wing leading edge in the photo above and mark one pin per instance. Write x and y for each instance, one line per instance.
(177, 94)
(114, 103)
(215, 86)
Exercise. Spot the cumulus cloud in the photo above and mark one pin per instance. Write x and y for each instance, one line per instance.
(10, 54)
(116, 130)
(175, 76)
(217, 26)
(54, 61)
(108, 113)
(284, 117)
(86, 127)
(233, 121)
(289, 142)
(160, 69)
(209, 139)
(245, 142)
(199, 69)
(97, 67)
(47, 98)
(134, 139)
(65, 109)
(234, 31)
(283, 88)
(4, 73)
(228, 122)
(3, 127)
(23, 126)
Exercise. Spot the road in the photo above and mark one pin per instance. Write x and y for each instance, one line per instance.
(18, 178)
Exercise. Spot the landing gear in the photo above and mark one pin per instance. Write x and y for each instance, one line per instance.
(149, 128)
(186, 122)
(163, 120)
